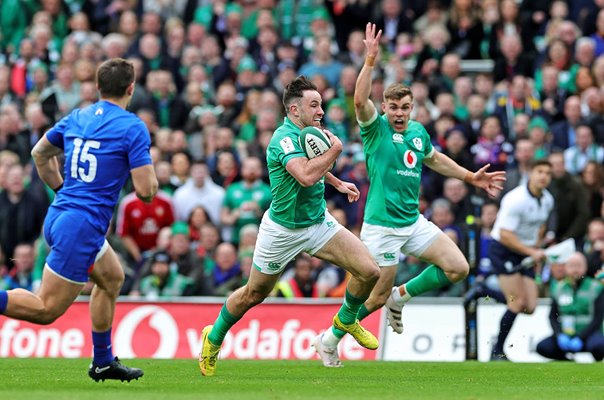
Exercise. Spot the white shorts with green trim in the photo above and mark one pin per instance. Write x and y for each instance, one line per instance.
(277, 245)
(386, 244)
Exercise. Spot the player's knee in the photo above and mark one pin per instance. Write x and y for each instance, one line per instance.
(44, 316)
(517, 306)
(254, 297)
(370, 275)
(459, 271)
(529, 309)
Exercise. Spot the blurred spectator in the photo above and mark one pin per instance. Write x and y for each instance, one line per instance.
(491, 147)
(21, 276)
(517, 172)
(592, 109)
(551, 95)
(512, 60)
(564, 131)
(162, 281)
(449, 70)
(301, 284)
(246, 201)
(442, 216)
(11, 137)
(199, 190)
(592, 178)
(572, 211)
(169, 108)
(576, 314)
(540, 137)
(22, 212)
(138, 223)
(584, 150)
(183, 260)
(465, 29)
(163, 171)
(226, 276)
(598, 35)
(458, 195)
(180, 163)
(197, 218)
(227, 170)
(321, 61)
(517, 100)
(435, 39)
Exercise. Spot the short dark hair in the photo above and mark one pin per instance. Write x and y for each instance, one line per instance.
(540, 162)
(295, 90)
(114, 76)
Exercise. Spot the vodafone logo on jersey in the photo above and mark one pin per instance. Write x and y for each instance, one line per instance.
(410, 159)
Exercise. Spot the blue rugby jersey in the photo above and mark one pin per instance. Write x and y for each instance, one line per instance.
(102, 143)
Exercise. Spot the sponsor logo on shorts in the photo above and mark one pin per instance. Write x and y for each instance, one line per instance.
(330, 224)
(274, 265)
(389, 256)
(410, 159)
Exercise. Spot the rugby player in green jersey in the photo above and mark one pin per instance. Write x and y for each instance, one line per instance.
(395, 150)
(298, 221)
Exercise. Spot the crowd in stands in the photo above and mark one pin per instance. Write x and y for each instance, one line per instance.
(210, 74)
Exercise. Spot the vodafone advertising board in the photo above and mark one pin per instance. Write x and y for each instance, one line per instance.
(173, 330)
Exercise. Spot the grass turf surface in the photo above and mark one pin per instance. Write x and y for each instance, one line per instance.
(267, 380)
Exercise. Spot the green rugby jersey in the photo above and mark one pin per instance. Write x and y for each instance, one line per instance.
(293, 205)
(394, 164)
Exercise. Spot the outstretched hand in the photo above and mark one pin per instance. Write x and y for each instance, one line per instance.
(490, 182)
(349, 189)
(372, 40)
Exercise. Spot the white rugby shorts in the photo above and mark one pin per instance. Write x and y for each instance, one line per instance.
(386, 244)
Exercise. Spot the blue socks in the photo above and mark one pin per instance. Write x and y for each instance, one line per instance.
(101, 344)
(3, 301)
(505, 326)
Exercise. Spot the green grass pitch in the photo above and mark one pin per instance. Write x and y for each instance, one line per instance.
(50, 379)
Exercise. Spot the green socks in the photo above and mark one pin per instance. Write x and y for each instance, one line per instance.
(431, 278)
(222, 325)
(363, 312)
(349, 310)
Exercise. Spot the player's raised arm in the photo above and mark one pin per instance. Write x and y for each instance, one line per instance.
(45, 155)
(363, 106)
(145, 182)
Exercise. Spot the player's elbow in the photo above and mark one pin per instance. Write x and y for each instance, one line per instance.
(306, 181)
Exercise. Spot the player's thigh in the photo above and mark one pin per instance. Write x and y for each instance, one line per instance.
(346, 250)
(444, 253)
(261, 283)
(74, 245)
(57, 293)
(107, 272)
(276, 246)
(384, 243)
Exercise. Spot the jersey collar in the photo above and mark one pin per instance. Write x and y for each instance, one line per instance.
(288, 122)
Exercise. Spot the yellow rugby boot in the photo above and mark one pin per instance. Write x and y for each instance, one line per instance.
(360, 334)
(208, 354)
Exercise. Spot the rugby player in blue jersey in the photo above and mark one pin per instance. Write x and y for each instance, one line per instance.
(103, 144)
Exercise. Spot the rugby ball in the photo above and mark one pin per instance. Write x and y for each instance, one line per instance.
(314, 141)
